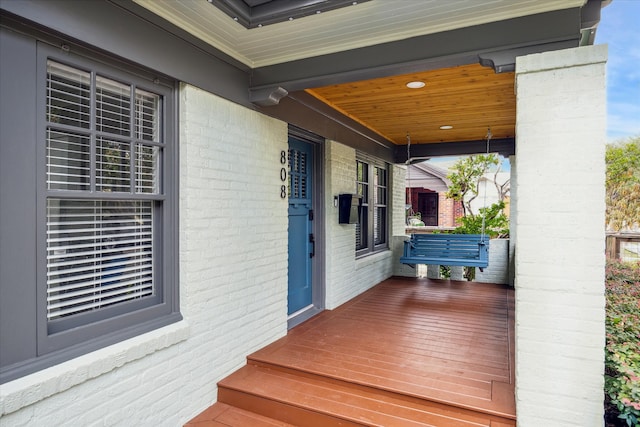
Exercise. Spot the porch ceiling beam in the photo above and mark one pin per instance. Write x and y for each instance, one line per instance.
(535, 33)
(305, 111)
(504, 146)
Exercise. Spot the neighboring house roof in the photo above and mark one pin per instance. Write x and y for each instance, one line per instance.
(428, 176)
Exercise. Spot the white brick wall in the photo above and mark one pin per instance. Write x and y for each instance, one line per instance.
(347, 277)
(233, 286)
(559, 217)
(513, 213)
(498, 269)
(234, 223)
(399, 223)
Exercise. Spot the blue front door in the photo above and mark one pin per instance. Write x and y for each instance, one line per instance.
(301, 238)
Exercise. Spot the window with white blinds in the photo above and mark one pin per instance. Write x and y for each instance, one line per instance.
(362, 190)
(379, 205)
(372, 187)
(104, 152)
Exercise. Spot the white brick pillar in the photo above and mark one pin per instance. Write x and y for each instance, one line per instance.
(513, 212)
(560, 335)
(457, 272)
(433, 271)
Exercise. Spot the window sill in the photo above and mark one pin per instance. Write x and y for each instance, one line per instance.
(38, 386)
(372, 257)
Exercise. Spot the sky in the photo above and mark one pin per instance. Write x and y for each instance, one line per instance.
(619, 28)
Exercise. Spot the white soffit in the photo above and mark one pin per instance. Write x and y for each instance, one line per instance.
(366, 24)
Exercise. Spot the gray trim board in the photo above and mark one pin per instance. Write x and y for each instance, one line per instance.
(304, 135)
(307, 112)
(504, 146)
(147, 15)
(17, 188)
(119, 31)
(503, 61)
(445, 49)
(318, 192)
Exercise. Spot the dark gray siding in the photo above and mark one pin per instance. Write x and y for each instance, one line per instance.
(17, 198)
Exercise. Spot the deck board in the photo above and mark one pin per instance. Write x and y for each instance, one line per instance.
(408, 352)
(445, 341)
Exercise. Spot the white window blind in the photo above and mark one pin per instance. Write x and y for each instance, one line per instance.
(68, 95)
(147, 116)
(113, 107)
(113, 171)
(99, 253)
(147, 169)
(68, 161)
(104, 140)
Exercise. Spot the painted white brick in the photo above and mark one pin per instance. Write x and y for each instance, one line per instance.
(346, 276)
(553, 416)
(398, 224)
(498, 269)
(233, 286)
(558, 231)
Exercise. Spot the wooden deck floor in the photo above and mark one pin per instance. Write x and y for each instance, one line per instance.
(409, 352)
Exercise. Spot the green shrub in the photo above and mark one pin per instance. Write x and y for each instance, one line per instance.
(622, 355)
(496, 223)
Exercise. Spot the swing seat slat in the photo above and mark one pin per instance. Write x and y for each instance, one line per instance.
(468, 250)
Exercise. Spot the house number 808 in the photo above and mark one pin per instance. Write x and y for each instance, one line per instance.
(283, 174)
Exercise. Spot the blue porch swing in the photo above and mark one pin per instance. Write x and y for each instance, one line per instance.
(467, 250)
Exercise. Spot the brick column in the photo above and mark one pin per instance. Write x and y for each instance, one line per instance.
(513, 212)
(560, 336)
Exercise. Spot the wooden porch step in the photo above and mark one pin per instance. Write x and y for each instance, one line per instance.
(405, 353)
(305, 399)
(223, 415)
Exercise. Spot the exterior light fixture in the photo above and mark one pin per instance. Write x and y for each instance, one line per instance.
(446, 127)
(415, 85)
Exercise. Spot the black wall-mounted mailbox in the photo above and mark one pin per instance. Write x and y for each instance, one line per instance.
(348, 205)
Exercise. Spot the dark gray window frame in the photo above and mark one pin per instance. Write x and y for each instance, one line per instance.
(373, 163)
(37, 347)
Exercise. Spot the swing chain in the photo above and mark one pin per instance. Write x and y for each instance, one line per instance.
(410, 211)
(484, 214)
(489, 136)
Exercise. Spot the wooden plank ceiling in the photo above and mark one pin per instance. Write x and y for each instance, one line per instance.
(470, 98)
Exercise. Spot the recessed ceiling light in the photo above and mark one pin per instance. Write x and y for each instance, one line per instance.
(415, 85)
(446, 127)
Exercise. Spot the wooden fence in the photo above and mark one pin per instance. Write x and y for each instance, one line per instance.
(623, 245)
